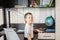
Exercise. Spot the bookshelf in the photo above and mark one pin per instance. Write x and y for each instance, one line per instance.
(39, 4)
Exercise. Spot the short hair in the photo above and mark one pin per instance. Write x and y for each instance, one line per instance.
(28, 13)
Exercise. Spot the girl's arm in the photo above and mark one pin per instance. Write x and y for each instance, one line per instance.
(29, 36)
(37, 30)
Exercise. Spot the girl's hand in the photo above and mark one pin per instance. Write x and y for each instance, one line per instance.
(38, 30)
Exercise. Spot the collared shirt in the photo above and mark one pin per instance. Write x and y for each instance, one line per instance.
(28, 29)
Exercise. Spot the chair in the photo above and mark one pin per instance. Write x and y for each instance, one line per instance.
(11, 34)
(2, 38)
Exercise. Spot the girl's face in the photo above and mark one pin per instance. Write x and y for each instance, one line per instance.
(29, 19)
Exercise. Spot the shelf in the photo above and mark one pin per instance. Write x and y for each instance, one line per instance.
(31, 7)
(35, 4)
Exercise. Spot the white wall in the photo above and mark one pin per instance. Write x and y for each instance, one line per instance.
(39, 14)
(1, 17)
(57, 19)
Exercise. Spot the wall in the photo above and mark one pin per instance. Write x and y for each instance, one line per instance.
(1, 17)
(39, 14)
(57, 19)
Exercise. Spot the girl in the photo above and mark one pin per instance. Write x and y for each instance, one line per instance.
(28, 33)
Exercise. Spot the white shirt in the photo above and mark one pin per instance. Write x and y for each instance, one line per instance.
(28, 29)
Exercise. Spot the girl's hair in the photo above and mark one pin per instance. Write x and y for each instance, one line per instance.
(27, 14)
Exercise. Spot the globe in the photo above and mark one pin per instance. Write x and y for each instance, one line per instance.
(49, 21)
